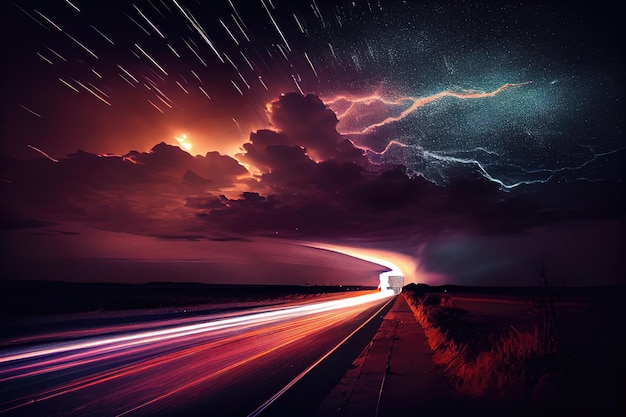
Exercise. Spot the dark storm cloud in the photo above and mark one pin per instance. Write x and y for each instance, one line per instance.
(129, 192)
(311, 182)
(301, 122)
(309, 122)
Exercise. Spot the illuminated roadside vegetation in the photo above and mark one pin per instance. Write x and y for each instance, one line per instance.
(500, 364)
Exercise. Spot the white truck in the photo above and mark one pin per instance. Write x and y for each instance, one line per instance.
(389, 282)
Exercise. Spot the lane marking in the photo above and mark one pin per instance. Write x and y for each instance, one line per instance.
(302, 374)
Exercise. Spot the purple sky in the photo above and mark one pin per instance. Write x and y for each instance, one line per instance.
(179, 141)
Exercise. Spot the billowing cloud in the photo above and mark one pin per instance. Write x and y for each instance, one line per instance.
(136, 192)
(309, 181)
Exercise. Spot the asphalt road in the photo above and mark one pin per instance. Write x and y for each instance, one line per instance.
(228, 364)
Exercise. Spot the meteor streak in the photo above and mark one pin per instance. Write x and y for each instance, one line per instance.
(199, 29)
(151, 59)
(280, 32)
(30, 111)
(96, 95)
(42, 153)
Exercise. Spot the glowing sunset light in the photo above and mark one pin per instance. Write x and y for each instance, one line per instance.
(183, 143)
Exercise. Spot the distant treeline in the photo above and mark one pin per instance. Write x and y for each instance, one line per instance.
(612, 291)
(24, 298)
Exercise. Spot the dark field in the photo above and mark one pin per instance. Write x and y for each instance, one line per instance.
(526, 350)
(33, 298)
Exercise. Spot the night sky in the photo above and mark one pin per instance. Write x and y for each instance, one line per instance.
(474, 137)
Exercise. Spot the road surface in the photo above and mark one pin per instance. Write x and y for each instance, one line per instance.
(227, 364)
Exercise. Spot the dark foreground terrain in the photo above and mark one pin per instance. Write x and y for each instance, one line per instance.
(536, 351)
(503, 351)
(33, 298)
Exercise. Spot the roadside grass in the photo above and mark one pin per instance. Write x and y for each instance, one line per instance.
(499, 364)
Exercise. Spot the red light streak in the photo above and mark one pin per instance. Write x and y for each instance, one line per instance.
(170, 359)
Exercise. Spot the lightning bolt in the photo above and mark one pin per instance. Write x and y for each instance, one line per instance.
(414, 103)
(438, 160)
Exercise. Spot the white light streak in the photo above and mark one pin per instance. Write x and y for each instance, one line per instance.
(151, 59)
(298, 23)
(115, 343)
(126, 80)
(245, 58)
(310, 63)
(197, 77)
(195, 53)
(156, 107)
(103, 35)
(57, 27)
(173, 50)
(81, 45)
(244, 80)
(45, 59)
(236, 86)
(92, 92)
(138, 24)
(128, 73)
(30, 111)
(33, 18)
(42, 153)
(280, 33)
(229, 32)
(318, 13)
(199, 29)
(243, 32)
(57, 54)
(230, 61)
(73, 5)
(295, 81)
(152, 25)
(238, 126)
(205, 93)
(181, 87)
(98, 90)
(68, 84)
(237, 14)
(163, 101)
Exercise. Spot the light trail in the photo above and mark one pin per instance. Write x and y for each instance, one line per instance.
(151, 59)
(72, 5)
(34, 113)
(45, 59)
(68, 85)
(89, 51)
(302, 374)
(152, 25)
(173, 359)
(96, 95)
(398, 264)
(232, 36)
(106, 38)
(42, 153)
(192, 20)
(280, 32)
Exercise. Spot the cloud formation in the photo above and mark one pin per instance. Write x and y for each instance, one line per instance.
(307, 180)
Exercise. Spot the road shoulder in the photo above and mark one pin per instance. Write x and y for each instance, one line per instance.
(394, 375)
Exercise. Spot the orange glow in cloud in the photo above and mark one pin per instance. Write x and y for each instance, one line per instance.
(183, 142)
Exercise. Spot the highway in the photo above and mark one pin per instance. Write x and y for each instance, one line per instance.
(224, 364)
